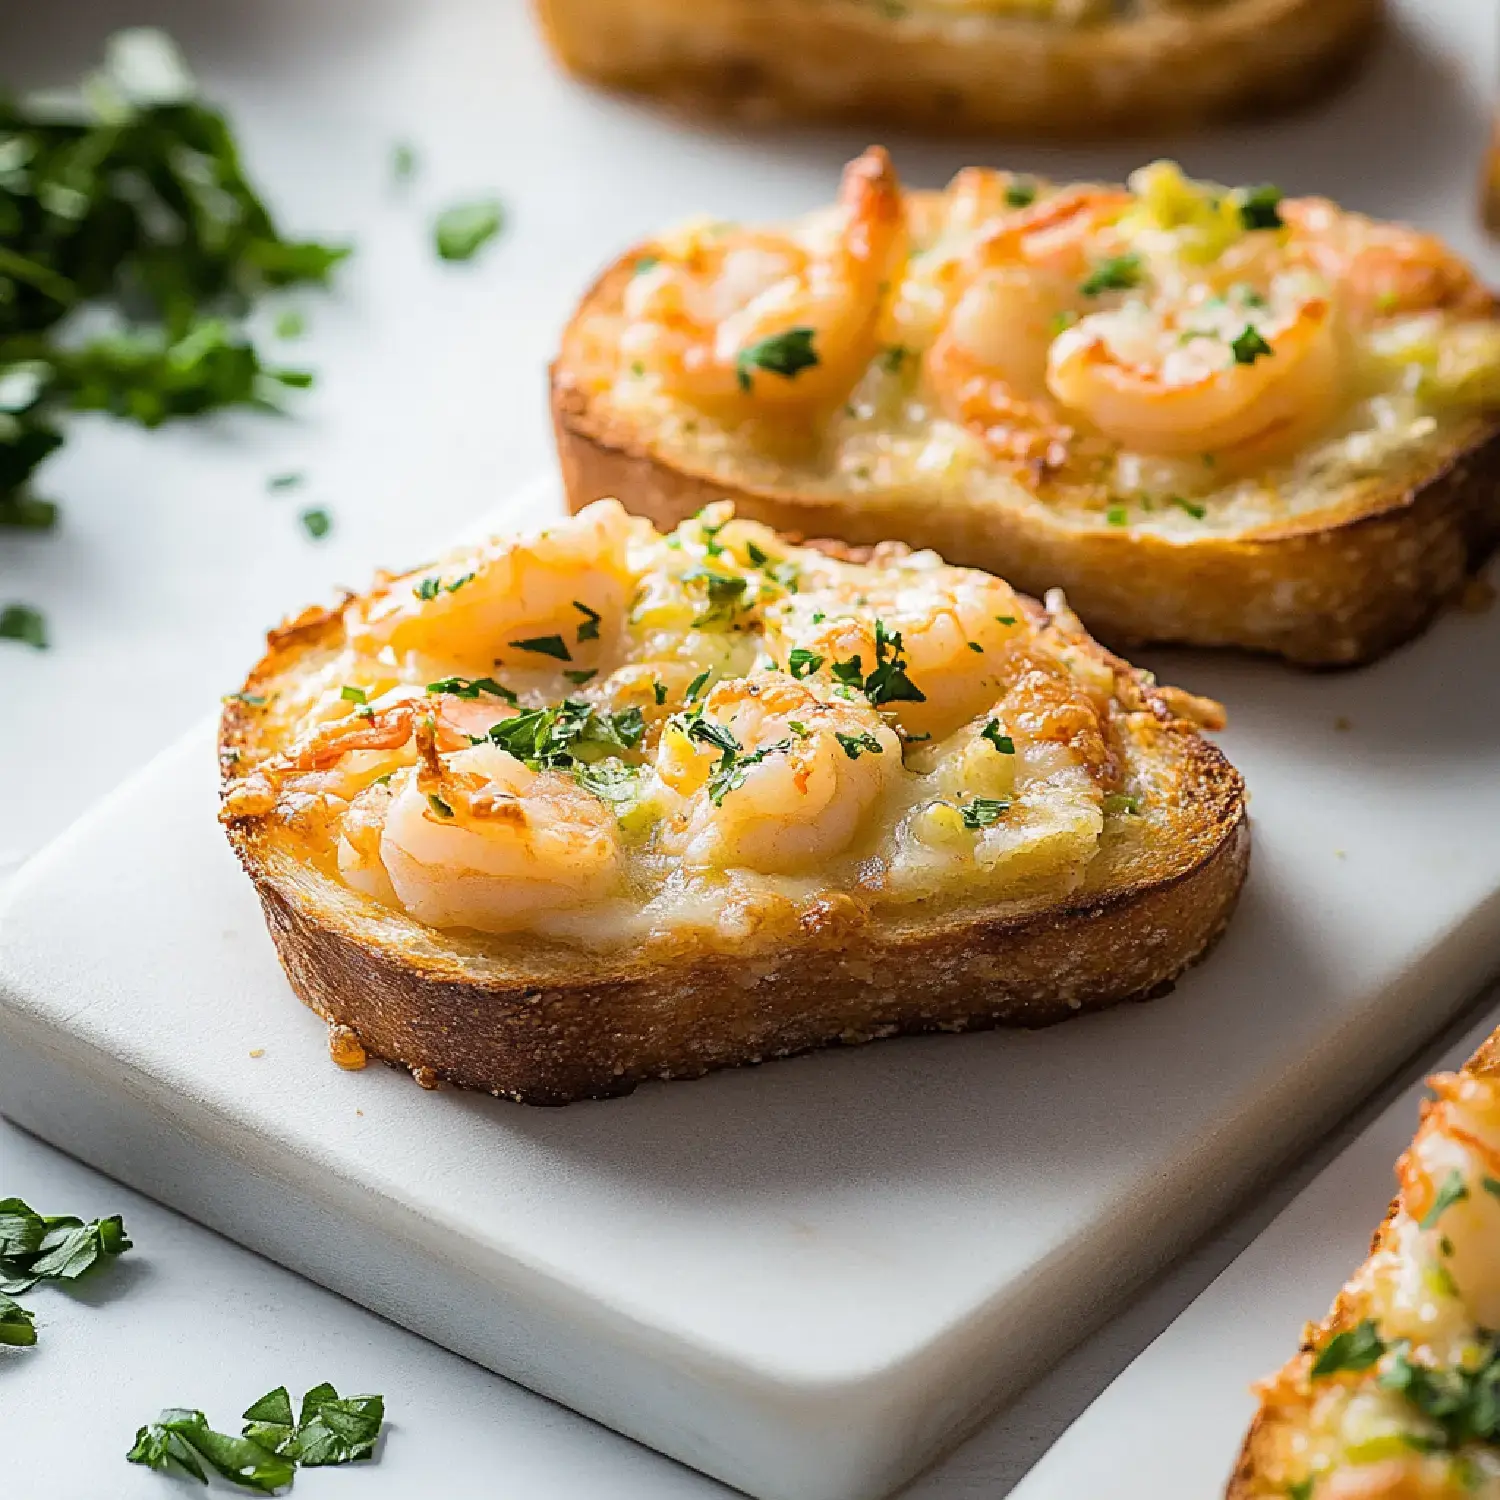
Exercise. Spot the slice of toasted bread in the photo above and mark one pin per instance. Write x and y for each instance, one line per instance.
(1393, 1393)
(1081, 71)
(1329, 555)
(757, 968)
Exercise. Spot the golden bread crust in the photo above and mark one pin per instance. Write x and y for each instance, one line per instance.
(848, 60)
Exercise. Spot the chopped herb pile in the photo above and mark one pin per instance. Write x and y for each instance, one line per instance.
(132, 245)
(36, 1247)
(329, 1430)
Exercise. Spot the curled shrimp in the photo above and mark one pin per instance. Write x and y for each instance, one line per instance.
(755, 316)
(1445, 1186)
(571, 582)
(477, 839)
(1142, 378)
(923, 640)
(1382, 270)
(777, 779)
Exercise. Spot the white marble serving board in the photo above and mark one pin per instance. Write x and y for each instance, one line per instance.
(808, 1278)
(1170, 1426)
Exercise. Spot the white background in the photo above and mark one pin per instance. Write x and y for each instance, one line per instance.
(172, 557)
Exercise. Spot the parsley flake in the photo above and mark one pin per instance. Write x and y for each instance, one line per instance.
(1260, 207)
(1002, 742)
(439, 806)
(802, 663)
(1119, 273)
(545, 645)
(1250, 346)
(351, 694)
(462, 231)
(317, 523)
(589, 630)
(784, 354)
(1453, 1190)
(983, 812)
(1354, 1349)
(1020, 192)
(659, 692)
(855, 744)
(1196, 511)
(20, 622)
(471, 687)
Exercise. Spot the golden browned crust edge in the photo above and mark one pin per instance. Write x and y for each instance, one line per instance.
(1339, 587)
(763, 61)
(1485, 1063)
(542, 1032)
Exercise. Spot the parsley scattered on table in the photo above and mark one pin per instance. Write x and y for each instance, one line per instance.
(21, 622)
(462, 231)
(128, 198)
(403, 161)
(330, 1429)
(36, 1247)
(317, 523)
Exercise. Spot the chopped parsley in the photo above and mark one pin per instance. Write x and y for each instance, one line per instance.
(784, 354)
(403, 161)
(440, 807)
(695, 687)
(733, 764)
(126, 201)
(1453, 1190)
(888, 683)
(1120, 273)
(589, 630)
(1462, 1400)
(983, 812)
(893, 357)
(545, 645)
(646, 263)
(723, 590)
(1002, 742)
(1196, 511)
(758, 559)
(1121, 802)
(566, 735)
(1117, 515)
(659, 691)
(976, 647)
(609, 780)
(330, 1429)
(1491, 1185)
(462, 231)
(1260, 207)
(471, 687)
(1356, 1348)
(317, 523)
(1005, 619)
(254, 700)
(1250, 346)
(37, 1247)
(802, 663)
(17, 1324)
(181, 1440)
(20, 622)
(289, 481)
(351, 694)
(1020, 192)
(854, 744)
(1062, 322)
(579, 678)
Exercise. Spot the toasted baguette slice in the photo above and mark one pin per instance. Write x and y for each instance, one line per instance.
(1009, 68)
(1396, 1394)
(1352, 491)
(1110, 864)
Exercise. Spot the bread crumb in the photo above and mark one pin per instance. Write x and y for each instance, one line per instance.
(1342, 724)
(1477, 597)
(345, 1049)
(359, 1112)
(257, 1052)
(426, 1077)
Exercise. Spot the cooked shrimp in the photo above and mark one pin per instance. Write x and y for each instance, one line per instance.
(755, 316)
(778, 780)
(1450, 1184)
(1178, 381)
(477, 839)
(927, 638)
(570, 582)
(1382, 270)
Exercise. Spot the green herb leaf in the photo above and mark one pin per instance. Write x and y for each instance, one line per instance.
(471, 687)
(317, 523)
(545, 645)
(1002, 742)
(463, 230)
(1117, 515)
(183, 1439)
(1491, 1185)
(1260, 207)
(352, 694)
(1120, 802)
(802, 663)
(695, 687)
(888, 682)
(1462, 1400)
(439, 806)
(784, 354)
(35, 1248)
(855, 744)
(982, 812)
(646, 263)
(609, 780)
(589, 630)
(659, 691)
(586, 675)
(20, 622)
(1354, 1349)
(289, 481)
(1020, 192)
(1120, 273)
(1250, 346)
(1196, 511)
(1453, 1190)
(17, 1328)
(403, 161)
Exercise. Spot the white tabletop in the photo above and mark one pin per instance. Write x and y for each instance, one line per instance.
(172, 557)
